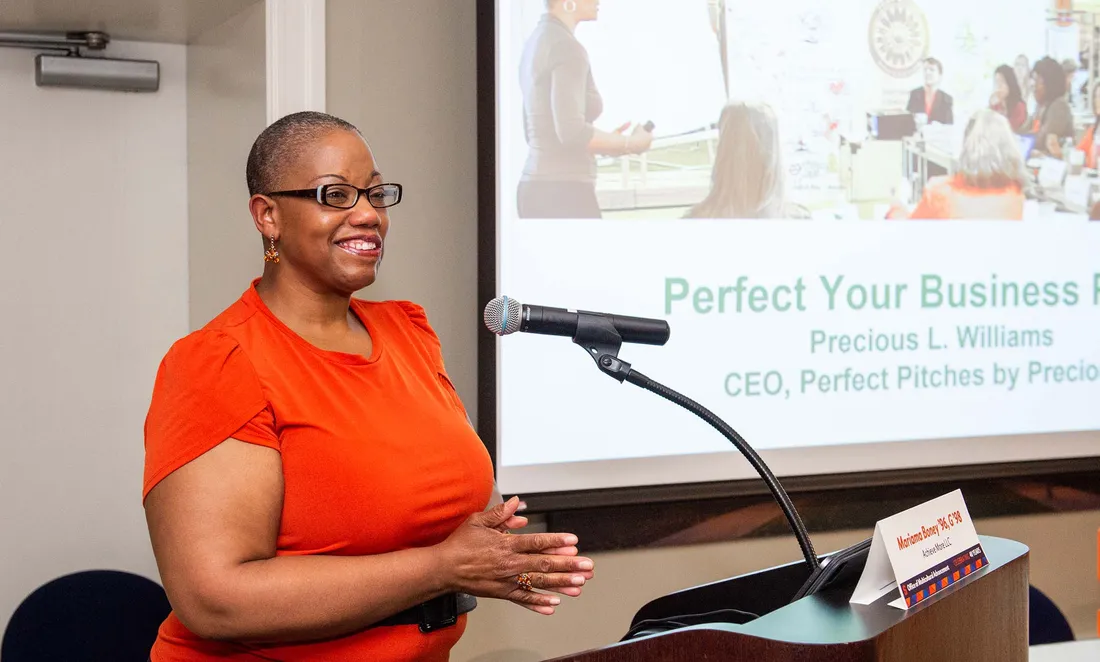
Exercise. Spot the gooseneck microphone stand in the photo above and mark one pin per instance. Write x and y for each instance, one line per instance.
(602, 342)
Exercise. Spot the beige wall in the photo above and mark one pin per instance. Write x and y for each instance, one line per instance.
(226, 110)
(93, 230)
(405, 73)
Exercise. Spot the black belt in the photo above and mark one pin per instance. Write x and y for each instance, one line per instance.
(434, 614)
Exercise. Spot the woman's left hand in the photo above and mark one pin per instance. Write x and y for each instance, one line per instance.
(516, 522)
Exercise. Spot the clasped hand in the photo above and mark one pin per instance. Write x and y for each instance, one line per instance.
(482, 559)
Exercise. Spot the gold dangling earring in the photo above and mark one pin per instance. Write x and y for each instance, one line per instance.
(272, 254)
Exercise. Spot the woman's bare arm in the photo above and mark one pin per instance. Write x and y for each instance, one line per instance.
(214, 524)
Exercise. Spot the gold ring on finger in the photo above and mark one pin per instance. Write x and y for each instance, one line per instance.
(524, 581)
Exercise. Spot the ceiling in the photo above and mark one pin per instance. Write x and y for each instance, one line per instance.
(165, 21)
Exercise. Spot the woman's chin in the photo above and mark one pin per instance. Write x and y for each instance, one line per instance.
(353, 282)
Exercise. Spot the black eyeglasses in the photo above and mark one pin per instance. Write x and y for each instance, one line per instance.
(346, 196)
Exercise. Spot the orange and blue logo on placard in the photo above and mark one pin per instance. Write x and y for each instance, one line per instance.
(937, 579)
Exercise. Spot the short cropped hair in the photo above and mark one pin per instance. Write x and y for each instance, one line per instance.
(935, 63)
(283, 141)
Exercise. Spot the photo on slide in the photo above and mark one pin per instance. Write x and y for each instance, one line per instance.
(867, 110)
(764, 177)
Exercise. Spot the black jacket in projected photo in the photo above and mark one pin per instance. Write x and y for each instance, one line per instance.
(942, 106)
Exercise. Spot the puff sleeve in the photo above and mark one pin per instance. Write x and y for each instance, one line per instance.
(206, 391)
(430, 341)
(419, 318)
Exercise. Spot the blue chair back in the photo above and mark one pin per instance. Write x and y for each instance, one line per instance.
(90, 615)
(1046, 623)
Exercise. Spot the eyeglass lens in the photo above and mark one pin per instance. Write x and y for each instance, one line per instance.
(345, 196)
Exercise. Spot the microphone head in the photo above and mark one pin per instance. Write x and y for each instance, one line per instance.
(502, 316)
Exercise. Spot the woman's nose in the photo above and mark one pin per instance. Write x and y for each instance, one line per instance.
(363, 213)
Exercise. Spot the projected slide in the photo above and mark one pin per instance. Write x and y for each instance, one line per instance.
(869, 225)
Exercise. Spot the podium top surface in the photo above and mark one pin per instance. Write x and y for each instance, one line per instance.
(828, 617)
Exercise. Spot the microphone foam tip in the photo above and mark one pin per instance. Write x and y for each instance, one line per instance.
(502, 316)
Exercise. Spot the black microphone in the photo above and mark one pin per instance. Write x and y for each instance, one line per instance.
(601, 336)
(504, 315)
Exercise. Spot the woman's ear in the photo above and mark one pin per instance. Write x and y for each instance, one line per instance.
(264, 215)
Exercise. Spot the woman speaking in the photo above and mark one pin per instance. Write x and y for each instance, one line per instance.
(560, 104)
(312, 486)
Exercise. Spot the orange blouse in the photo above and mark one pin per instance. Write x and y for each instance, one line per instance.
(377, 452)
(952, 198)
(1086, 145)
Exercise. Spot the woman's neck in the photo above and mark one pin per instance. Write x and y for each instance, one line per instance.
(568, 18)
(304, 309)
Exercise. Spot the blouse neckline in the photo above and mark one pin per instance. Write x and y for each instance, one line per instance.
(253, 299)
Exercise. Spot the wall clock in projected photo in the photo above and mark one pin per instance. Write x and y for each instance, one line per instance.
(898, 37)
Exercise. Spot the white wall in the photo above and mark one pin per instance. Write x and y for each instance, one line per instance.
(93, 266)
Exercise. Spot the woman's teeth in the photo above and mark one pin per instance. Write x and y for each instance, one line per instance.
(360, 245)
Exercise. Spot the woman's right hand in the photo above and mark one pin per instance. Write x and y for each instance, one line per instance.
(640, 140)
(481, 560)
(1053, 147)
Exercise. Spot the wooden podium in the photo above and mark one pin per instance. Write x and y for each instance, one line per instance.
(982, 619)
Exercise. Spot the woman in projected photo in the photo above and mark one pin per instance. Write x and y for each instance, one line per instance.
(1007, 98)
(1088, 144)
(748, 180)
(1053, 119)
(990, 180)
(560, 104)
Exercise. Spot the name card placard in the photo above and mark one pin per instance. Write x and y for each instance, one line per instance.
(921, 552)
(1077, 191)
(1052, 172)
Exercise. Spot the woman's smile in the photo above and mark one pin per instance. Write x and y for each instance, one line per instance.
(367, 246)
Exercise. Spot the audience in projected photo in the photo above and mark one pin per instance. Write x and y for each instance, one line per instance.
(787, 140)
(1022, 68)
(1052, 121)
(560, 104)
(989, 182)
(929, 101)
(748, 179)
(1088, 144)
(1007, 98)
